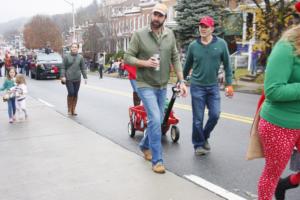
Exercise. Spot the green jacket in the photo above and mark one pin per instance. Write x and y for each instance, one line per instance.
(7, 84)
(73, 67)
(282, 87)
(144, 43)
(205, 60)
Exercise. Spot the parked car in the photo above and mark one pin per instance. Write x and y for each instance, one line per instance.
(46, 66)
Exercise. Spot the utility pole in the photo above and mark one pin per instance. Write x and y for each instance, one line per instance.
(73, 15)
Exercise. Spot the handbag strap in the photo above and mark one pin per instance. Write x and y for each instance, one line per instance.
(260, 101)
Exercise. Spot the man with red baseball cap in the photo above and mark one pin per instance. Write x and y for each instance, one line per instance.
(207, 21)
(204, 58)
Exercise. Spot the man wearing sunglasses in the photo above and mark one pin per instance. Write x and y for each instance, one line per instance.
(152, 50)
(204, 58)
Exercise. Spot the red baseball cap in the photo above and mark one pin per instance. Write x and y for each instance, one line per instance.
(207, 21)
(297, 6)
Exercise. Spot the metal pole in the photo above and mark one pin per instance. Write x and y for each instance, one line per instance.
(73, 16)
(73, 12)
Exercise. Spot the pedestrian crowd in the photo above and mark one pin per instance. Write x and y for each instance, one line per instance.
(148, 61)
(21, 63)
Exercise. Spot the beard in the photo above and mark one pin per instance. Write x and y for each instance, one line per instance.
(156, 24)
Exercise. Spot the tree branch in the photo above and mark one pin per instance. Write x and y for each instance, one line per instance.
(257, 4)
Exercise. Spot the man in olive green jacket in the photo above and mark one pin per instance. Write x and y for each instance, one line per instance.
(153, 50)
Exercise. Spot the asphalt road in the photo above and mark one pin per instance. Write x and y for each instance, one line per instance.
(103, 107)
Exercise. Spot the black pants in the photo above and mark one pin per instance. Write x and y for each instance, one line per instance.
(101, 70)
(73, 88)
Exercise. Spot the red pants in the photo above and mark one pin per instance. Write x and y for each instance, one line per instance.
(278, 144)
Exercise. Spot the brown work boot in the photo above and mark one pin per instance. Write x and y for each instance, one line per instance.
(147, 154)
(159, 168)
(74, 102)
(69, 102)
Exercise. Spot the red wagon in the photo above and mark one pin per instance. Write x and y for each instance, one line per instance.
(138, 119)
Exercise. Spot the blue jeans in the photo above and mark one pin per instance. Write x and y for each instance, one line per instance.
(73, 88)
(204, 96)
(11, 107)
(253, 66)
(153, 100)
(133, 84)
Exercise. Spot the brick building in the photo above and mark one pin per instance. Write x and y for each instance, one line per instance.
(127, 16)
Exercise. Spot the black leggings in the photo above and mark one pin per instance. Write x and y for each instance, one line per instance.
(73, 88)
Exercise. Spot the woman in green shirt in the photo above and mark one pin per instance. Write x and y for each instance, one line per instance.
(8, 84)
(279, 127)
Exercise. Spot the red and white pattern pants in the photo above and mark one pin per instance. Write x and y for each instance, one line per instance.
(278, 144)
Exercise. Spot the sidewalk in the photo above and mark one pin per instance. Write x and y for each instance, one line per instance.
(51, 157)
(248, 87)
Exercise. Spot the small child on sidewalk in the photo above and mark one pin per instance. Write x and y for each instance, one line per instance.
(21, 91)
(8, 84)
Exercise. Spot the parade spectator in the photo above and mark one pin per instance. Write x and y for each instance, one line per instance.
(28, 62)
(152, 50)
(22, 63)
(8, 84)
(101, 65)
(7, 62)
(114, 67)
(110, 66)
(255, 55)
(204, 57)
(15, 63)
(279, 126)
(132, 78)
(1, 65)
(73, 67)
(121, 69)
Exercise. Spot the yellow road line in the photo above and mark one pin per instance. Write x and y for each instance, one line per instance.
(234, 117)
(126, 94)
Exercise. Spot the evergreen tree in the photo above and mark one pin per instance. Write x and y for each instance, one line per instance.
(188, 14)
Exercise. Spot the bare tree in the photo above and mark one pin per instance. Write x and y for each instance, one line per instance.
(40, 31)
(91, 40)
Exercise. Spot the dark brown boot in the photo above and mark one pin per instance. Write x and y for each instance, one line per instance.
(282, 186)
(74, 102)
(69, 102)
(136, 99)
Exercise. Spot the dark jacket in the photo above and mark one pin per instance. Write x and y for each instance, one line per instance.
(73, 67)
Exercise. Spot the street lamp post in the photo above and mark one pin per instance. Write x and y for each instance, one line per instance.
(73, 14)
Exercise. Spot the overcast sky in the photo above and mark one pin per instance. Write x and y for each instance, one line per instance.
(12, 9)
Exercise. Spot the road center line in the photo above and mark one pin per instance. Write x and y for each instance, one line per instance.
(213, 188)
(247, 120)
(46, 103)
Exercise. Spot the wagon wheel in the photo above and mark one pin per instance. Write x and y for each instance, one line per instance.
(131, 130)
(175, 133)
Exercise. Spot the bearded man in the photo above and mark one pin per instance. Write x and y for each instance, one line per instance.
(153, 50)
